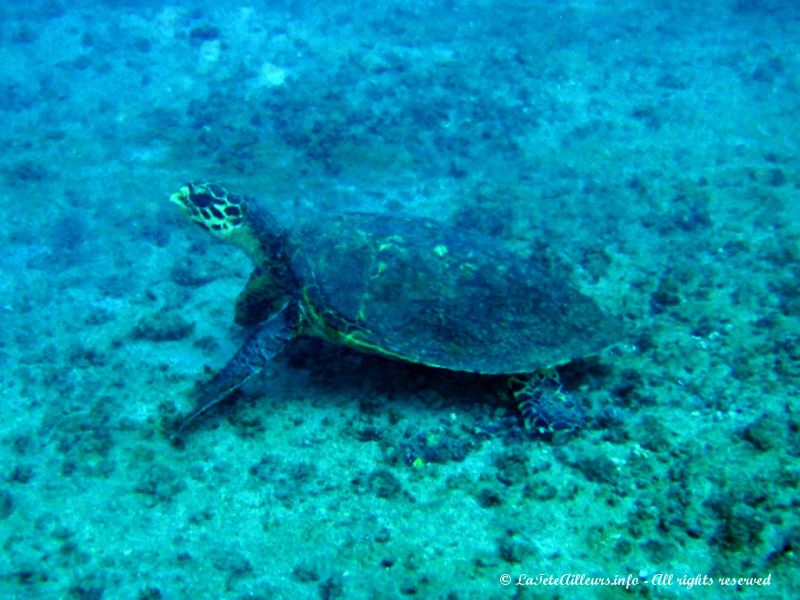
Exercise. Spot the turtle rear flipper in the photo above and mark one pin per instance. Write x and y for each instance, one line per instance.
(545, 406)
(266, 342)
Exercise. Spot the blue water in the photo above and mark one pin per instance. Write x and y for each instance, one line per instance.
(645, 153)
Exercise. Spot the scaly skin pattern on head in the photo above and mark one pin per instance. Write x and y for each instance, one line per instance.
(211, 206)
(232, 218)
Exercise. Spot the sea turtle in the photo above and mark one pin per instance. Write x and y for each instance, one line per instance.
(405, 288)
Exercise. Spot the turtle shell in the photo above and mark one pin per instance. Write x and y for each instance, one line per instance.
(417, 290)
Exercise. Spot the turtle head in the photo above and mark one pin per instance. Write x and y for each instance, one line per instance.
(212, 207)
(232, 218)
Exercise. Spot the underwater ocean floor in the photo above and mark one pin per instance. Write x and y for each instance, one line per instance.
(646, 152)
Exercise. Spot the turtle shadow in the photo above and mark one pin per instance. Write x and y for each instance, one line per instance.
(380, 385)
(334, 369)
(331, 373)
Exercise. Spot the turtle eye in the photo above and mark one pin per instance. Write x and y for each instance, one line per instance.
(202, 200)
(216, 190)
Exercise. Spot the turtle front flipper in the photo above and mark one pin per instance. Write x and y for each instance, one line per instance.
(265, 293)
(265, 342)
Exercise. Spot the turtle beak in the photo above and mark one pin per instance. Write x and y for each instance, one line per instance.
(182, 199)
